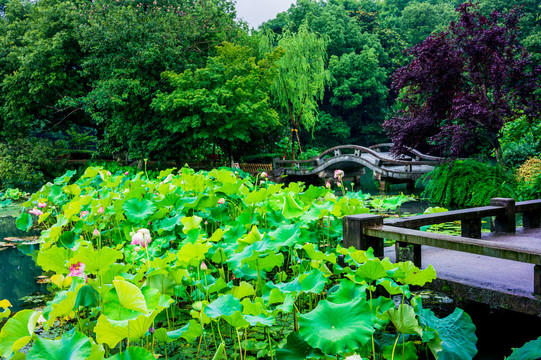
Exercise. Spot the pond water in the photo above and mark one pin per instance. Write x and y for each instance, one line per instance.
(18, 270)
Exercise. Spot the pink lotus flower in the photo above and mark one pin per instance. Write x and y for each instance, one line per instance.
(83, 213)
(221, 201)
(78, 270)
(328, 185)
(141, 238)
(101, 210)
(264, 175)
(126, 173)
(96, 232)
(339, 184)
(204, 266)
(108, 173)
(35, 211)
(338, 174)
(42, 205)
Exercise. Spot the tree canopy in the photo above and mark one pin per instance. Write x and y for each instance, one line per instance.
(464, 84)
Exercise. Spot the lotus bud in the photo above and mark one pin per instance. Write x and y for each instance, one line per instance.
(96, 232)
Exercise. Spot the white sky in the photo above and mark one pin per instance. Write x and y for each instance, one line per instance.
(255, 12)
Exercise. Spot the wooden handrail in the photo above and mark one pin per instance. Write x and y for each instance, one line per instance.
(367, 230)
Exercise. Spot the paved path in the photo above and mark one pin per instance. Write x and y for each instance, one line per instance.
(502, 283)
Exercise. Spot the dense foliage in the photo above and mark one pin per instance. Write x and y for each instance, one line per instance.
(209, 263)
(464, 84)
(467, 183)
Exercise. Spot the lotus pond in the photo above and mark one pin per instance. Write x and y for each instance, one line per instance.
(216, 265)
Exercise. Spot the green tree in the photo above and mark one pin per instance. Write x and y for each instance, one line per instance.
(301, 79)
(128, 46)
(420, 19)
(226, 102)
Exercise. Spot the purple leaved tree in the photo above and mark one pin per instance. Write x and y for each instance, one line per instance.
(463, 85)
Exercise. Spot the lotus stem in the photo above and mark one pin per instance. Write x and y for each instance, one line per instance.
(394, 346)
(240, 343)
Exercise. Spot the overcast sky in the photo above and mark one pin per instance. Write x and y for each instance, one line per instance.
(255, 12)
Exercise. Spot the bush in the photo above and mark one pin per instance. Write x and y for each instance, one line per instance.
(529, 179)
(466, 183)
(29, 163)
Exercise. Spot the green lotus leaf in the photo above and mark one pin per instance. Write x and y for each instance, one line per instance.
(255, 308)
(346, 291)
(65, 307)
(298, 349)
(68, 239)
(414, 275)
(161, 281)
(315, 254)
(53, 259)
(96, 260)
(130, 296)
(251, 238)
(190, 223)
(405, 320)
(406, 351)
(237, 320)
(257, 196)
(259, 320)
(456, 331)
(138, 210)
(263, 262)
(24, 221)
(192, 254)
(224, 305)
(285, 236)
(316, 212)
(72, 208)
(393, 288)
(133, 353)
(530, 351)
(111, 332)
(17, 332)
(189, 332)
(242, 290)
(313, 193)
(371, 270)
(291, 208)
(313, 282)
(72, 189)
(86, 297)
(338, 328)
(74, 346)
(65, 178)
(169, 224)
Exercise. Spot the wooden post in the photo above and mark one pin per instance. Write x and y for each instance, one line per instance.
(403, 253)
(504, 223)
(353, 232)
(537, 280)
(471, 228)
(531, 219)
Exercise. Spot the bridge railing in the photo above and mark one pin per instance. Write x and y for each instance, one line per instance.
(356, 150)
(366, 230)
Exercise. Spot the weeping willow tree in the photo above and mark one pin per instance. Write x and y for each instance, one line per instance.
(301, 79)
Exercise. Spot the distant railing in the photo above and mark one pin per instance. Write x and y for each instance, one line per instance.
(365, 230)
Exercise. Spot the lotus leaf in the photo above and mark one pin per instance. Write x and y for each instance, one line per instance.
(405, 321)
(96, 260)
(111, 332)
(456, 331)
(5, 304)
(138, 210)
(24, 221)
(338, 328)
(530, 351)
(291, 208)
(346, 291)
(406, 351)
(133, 353)
(53, 259)
(188, 332)
(298, 349)
(74, 346)
(130, 296)
(17, 332)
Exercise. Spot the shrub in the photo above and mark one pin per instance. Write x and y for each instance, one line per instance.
(529, 179)
(466, 183)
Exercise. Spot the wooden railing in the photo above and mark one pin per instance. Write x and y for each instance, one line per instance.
(366, 230)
